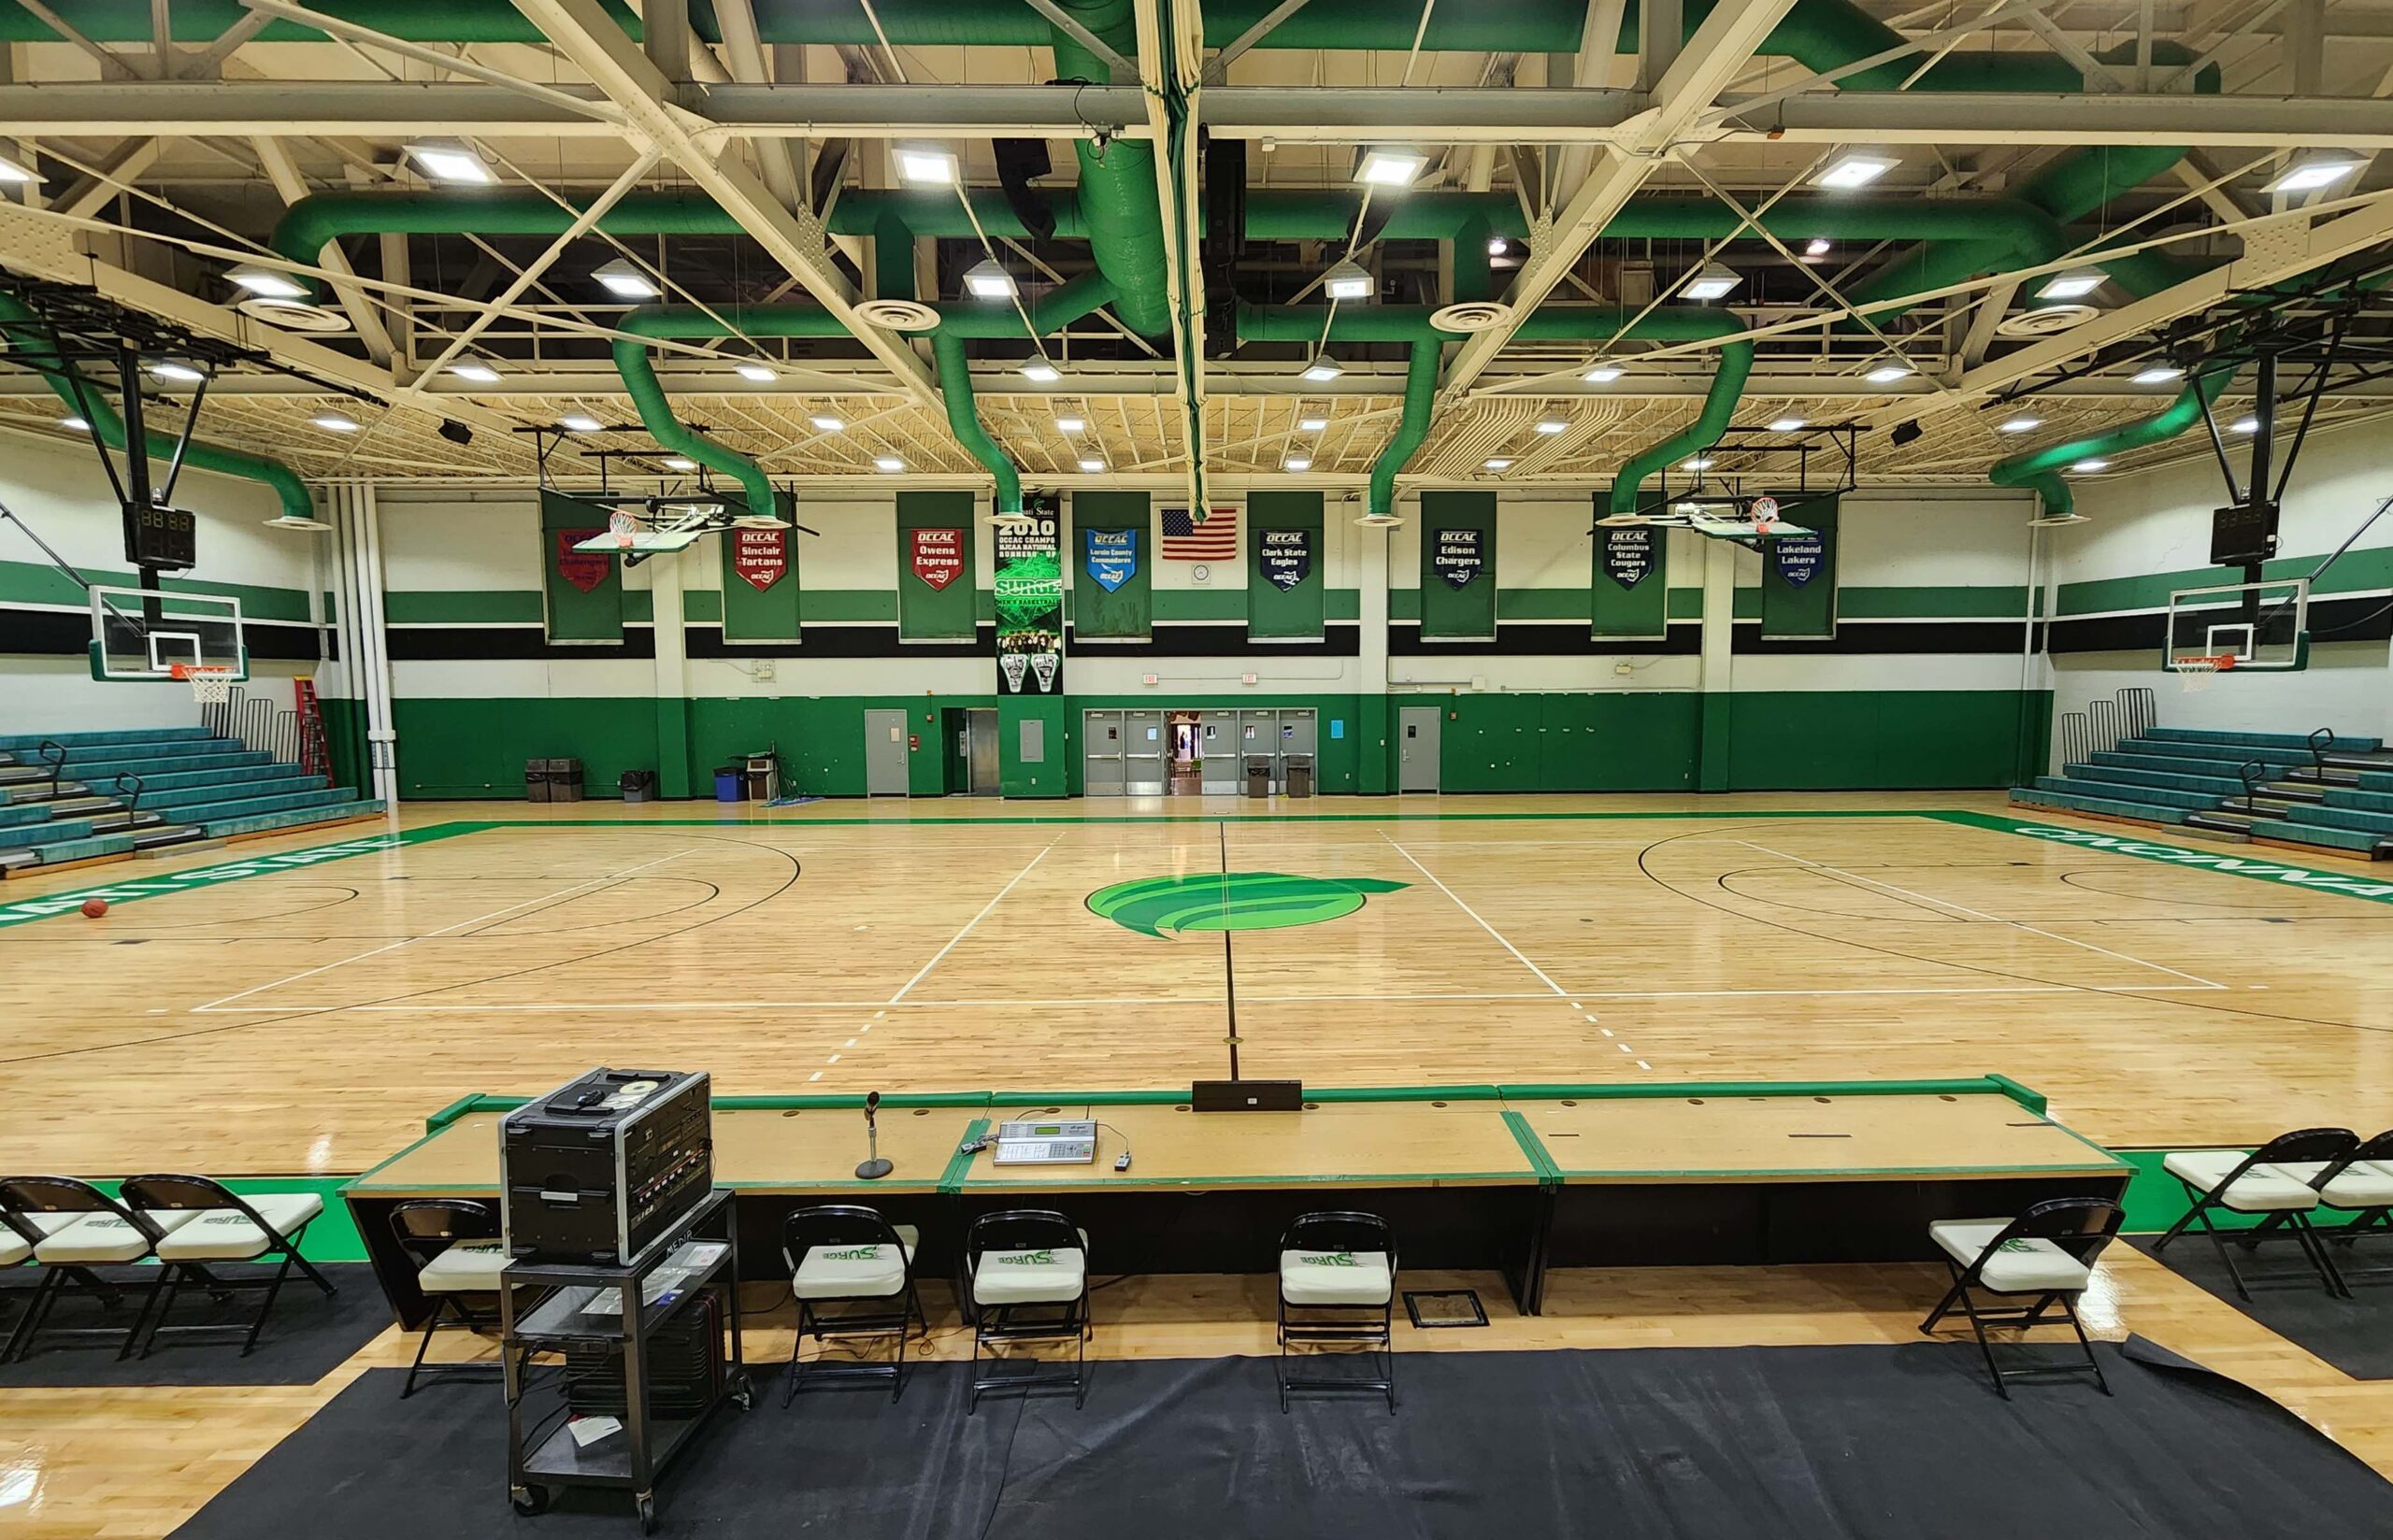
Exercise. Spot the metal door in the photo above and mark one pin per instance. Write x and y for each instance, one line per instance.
(1217, 747)
(1142, 773)
(1416, 739)
(884, 754)
(981, 746)
(1258, 733)
(1299, 734)
(1102, 765)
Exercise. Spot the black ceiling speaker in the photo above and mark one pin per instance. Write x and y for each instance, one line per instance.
(1019, 163)
(1905, 433)
(456, 433)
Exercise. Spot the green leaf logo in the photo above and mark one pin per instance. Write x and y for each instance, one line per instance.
(1240, 901)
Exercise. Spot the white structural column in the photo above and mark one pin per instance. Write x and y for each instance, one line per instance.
(664, 574)
(1711, 59)
(597, 45)
(1369, 547)
(364, 636)
(1716, 678)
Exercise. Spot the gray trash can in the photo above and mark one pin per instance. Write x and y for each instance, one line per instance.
(1300, 775)
(1258, 776)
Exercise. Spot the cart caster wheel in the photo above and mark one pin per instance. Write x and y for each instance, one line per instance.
(647, 1515)
(744, 1393)
(528, 1501)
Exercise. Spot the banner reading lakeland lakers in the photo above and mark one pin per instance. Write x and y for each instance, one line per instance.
(1030, 600)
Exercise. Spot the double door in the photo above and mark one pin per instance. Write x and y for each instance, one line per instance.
(1125, 753)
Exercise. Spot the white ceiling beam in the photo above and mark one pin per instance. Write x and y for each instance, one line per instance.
(592, 40)
(109, 179)
(293, 109)
(782, 162)
(274, 158)
(1719, 48)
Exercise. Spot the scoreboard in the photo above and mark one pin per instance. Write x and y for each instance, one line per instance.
(160, 539)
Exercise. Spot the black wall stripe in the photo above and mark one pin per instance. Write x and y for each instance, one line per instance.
(58, 633)
(1855, 638)
(1546, 639)
(2365, 618)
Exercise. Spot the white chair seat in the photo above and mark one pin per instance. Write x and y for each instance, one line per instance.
(227, 1234)
(856, 1271)
(95, 1239)
(15, 1248)
(467, 1267)
(1030, 1278)
(2263, 1189)
(2024, 1265)
(1335, 1278)
(2362, 1184)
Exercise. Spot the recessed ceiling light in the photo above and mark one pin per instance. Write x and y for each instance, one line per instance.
(1071, 424)
(1552, 426)
(176, 370)
(1818, 246)
(578, 422)
(267, 281)
(827, 423)
(1498, 463)
(2076, 284)
(889, 462)
(2158, 374)
(2019, 424)
(1388, 167)
(2086, 468)
(988, 280)
(2246, 425)
(334, 422)
(1312, 424)
(1886, 374)
(757, 371)
(1347, 280)
(447, 161)
(1785, 424)
(1324, 368)
(75, 423)
(925, 165)
(1713, 281)
(1856, 168)
(1602, 374)
(475, 370)
(14, 170)
(1092, 466)
(2311, 169)
(624, 281)
(1296, 463)
(679, 463)
(1700, 462)
(1495, 246)
(1040, 372)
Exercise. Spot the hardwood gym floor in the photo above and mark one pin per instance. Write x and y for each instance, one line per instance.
(305, 1019)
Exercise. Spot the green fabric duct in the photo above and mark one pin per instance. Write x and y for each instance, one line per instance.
(1420, 399)
(31, 342)
(1474, 270)
(892, 258)
(2040, 469)
(1552, 323)
(1120, 203)
(964, 419)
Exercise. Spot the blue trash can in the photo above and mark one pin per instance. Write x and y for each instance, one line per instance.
(729, 784)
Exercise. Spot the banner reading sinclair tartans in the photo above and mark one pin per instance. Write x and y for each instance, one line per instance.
(1030, 600)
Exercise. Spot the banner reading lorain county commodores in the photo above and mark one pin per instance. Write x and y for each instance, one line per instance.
(1030, 600)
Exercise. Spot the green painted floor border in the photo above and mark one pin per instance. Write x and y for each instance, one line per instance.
(2284, 872)
(26, 910)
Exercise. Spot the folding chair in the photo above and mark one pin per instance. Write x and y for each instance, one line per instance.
(2259, 1183)
(1026, 1275)
(2360, 1185)
(74, 1229)
(455, 1247)
(219, 1226)
(2047, 1252)
(841, 1255)
(1343, 1267)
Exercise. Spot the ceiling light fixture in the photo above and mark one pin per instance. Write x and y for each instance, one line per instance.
(578, 422)
(1712, 280)
(1495, 246)
(681, 463)
(14, 170)
(1700, 462)
(1856, 168)
(827, 423)
(1498, 463)
(1323, 368)
(1602, 374)
(1071, 424)
(988, 280)
(2019, 424)
(1039, 371)
(448, 160)
(1092, 465)
(1347, 280)
(2076, 284)
(2088, 467)
(1887, 373)
(2311, 169)
(75, 425)
(2156, 374)
(625, 280)
(334, 422)
(1312, 424)
(925, 166)
(757, 371)
(1390, 167)
(2246, 425)
(1785, 425)
(1296, 463)
(267, 281)
(178, 371)
(1818, 246)
(889, 462)
(1552, 426)
(475, 370)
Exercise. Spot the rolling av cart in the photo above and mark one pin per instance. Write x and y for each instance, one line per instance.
(635, 1360)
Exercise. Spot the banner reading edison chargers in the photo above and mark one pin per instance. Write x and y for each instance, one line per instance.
(1456, 555)
(1030, 600)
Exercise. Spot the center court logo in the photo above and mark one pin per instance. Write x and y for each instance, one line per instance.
(1236, 901)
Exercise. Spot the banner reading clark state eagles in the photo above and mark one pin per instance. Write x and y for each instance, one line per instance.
(1030, 600)
(1285, 556)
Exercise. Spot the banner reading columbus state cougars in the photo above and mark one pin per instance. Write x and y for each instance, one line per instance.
(1030, 600)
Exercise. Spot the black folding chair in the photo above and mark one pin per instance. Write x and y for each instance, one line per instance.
(455, 1244)
(2047, 1253)
(2258, 1184)
(850, 1256)
(221, 1226)
(1025, 1273)
(1338, 1269)
(73, 1229)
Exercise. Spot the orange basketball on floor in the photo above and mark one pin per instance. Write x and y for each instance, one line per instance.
(94, 907)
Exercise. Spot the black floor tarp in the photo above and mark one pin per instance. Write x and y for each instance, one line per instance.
(308, 1336)
(1773, 1443)
(2355, 1334)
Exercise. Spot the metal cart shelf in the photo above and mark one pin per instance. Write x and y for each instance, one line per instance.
(698, 1258)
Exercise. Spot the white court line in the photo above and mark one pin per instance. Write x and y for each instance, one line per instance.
(1481, 923)
(409, 941)
(901, 995)
(1259, 999)
(1980, 914)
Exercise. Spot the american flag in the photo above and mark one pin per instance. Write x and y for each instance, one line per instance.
(1201, 536)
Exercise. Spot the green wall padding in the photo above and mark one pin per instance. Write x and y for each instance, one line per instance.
(575, 615)
(477, 748)
(1271, 611)
(1467, 613)
(924, 613)
(1128, 611)
(1869, 740)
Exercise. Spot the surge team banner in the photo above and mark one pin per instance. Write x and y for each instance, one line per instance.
(1030, 600)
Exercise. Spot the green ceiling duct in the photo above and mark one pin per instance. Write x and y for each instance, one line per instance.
(963, 419)
(2040, 469)
(1411, 427)
(1120, 202)
(32, 342)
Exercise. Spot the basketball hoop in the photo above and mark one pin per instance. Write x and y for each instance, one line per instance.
(2198, 668)
(623, 526)
(209, 685)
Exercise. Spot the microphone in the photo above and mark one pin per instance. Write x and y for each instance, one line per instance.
(874, 1167)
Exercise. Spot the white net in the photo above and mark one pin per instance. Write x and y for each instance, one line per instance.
(209, 686)
(623, 526)
(2196, 670)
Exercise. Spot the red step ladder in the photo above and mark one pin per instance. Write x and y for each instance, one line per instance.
(315, 755)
